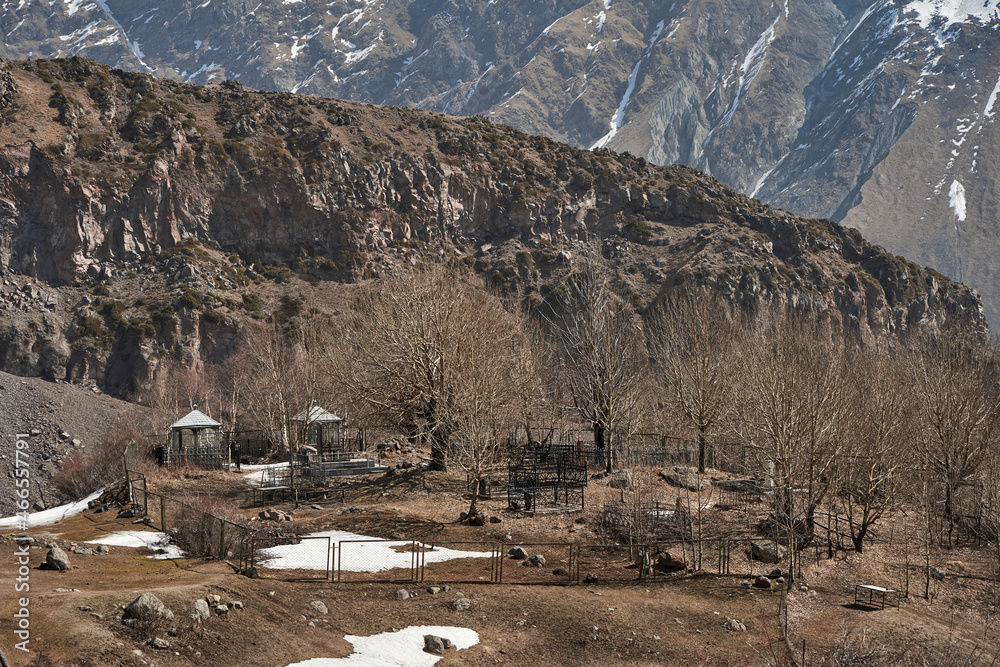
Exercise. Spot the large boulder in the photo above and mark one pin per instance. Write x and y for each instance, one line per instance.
(667, 561)
(766, 551)
(621, 480)
(147, 607)
(680, 476)
(56, 559)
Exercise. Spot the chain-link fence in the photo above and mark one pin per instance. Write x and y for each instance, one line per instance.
(297, 558)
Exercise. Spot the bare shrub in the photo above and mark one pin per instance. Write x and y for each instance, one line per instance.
(197, 527)
(84, 471)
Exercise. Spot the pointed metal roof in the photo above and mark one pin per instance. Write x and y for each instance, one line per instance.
(195, 419)
(317, 414)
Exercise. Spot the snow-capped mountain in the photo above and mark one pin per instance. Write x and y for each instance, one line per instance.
(879, 113)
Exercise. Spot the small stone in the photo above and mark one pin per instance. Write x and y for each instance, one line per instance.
(734, 625)
(402, 594)
(158, 643)
(762, 582)
(495, 519)
(99, 617)
(102, 549)
(433, 590)
(446, 588)
(938, 574)
(221, 609)
(319, 607)
(235, 604)
(85, 608)
(213, 599)
(461, 604)
(590, 578)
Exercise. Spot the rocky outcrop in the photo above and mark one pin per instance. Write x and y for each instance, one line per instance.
(199, 192)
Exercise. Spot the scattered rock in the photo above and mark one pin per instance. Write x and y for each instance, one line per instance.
(402, 594)
(221, 609)
(938, 573)
(735, 625)
(762, 582)
(102, 549)
(433, 590)
(57, 559)
(252, 572)
(495, 519)
(235, 604)
(775, 573)
(213, 599)
(590, 578)
(201, 611)
(85, 608)
(147, 607)
(461, 604)
(560, 572)
(319, 607)
(478, 520)
(537, 560)
(157, 643)
(517, 553)
(23, 540)
(767, 552)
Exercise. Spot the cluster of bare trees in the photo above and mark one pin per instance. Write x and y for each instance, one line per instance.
(828, 420)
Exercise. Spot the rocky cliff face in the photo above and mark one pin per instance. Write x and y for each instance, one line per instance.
(140, 218)
(877, 113)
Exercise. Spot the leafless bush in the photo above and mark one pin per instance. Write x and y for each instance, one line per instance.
(84, 471)
(209, 526)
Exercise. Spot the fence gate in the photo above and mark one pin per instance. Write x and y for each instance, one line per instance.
(296, 558)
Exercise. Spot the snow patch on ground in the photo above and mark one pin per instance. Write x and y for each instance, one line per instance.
(355, 556)
(956, 199)
(142, 538)
(988, 111)
(403, 648)
(52, 515)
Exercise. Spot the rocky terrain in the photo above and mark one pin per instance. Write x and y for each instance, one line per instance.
(876, 113)
(58, 418)
(144, 218)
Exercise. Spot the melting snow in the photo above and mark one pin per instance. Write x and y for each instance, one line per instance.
(53, 515)
(954, 11)
(142, 538)
(956, 199)
(619, 116)
(988, 111)
(361, 556)
(752, 64)
(403, 648)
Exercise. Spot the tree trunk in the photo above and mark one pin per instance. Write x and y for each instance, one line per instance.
(948, 511)
(439, 452)
(701, 452)
(473, 510)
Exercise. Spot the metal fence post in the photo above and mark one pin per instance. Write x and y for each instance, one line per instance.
(222, 539)
(163, 514)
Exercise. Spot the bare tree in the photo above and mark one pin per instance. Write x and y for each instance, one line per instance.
(414, 341)
(284, 379)
(603, 357)
(959, 409)
(792, 404)
(491, 393)
(691, 340)
(875, 457)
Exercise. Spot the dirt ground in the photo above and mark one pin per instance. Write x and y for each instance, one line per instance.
(672, 621)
